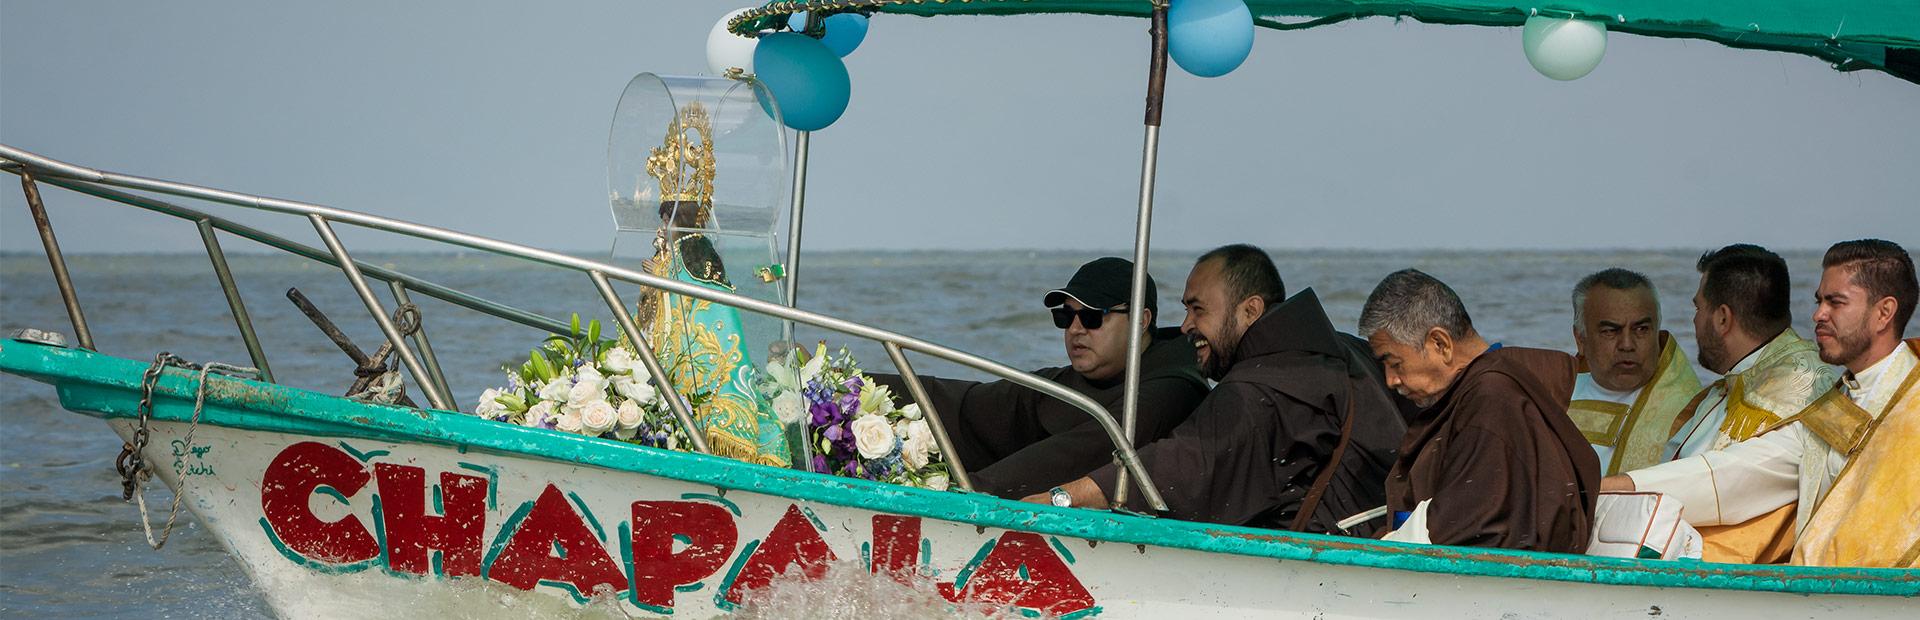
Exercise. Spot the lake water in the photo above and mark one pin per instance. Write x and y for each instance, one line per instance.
(70, 548)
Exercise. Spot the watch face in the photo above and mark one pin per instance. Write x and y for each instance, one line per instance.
(1062, 499)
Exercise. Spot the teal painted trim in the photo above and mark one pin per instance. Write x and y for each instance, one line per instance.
(507, 529)
(723, 502)
(493, 481)
(817, 523)
(1062, 549)
(364, 457)
(329, 491)
(966, 571)
(588, 513)
(733, 572)
(866, 556)
(107, 387)
(301, 560)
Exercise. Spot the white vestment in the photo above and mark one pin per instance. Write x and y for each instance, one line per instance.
(1584, 388)
(1778, 467)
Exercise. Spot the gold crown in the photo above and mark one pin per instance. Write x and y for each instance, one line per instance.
(684, 164)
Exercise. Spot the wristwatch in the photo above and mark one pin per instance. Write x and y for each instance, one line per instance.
(1060, 497)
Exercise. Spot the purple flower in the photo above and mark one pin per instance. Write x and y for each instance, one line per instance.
(820, 463)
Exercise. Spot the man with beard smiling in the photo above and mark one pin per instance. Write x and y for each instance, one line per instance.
(1492, 460)
(1847, 461)
(1300, 430)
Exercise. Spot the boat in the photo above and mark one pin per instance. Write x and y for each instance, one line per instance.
(338, 507)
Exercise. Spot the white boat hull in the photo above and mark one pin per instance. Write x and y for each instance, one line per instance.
(332, 527)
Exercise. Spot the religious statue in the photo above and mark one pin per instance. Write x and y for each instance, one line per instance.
(699, 342)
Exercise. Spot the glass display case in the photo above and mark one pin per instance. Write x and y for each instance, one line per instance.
(697, 178)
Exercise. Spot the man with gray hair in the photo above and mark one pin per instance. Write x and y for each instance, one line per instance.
(1492, 460)
(1633, 382)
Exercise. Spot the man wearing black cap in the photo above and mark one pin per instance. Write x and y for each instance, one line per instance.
(1301, 430)
(1015, 441)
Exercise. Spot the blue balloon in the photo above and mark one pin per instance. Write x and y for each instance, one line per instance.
(807, 79)
(1209, 38)
(845, 31)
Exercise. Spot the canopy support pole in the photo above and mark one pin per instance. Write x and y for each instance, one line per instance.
(794, 215)
(1142, 233)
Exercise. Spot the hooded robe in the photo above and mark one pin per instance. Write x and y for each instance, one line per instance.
(1250, 452)
(1499, 460)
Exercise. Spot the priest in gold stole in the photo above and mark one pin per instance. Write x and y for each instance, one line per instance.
(1632, 382)
(699, 342)
(1743, 328)
(1848, 460)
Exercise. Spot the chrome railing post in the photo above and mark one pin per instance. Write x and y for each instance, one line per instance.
(955, 469)
(58, 261)
(675, 400)
(234, 303)
(420, 340)
(359, 283)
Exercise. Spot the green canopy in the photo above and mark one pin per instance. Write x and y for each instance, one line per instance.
(1851, 34)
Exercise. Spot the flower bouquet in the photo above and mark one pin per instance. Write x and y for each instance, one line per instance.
(586, 385)
(852, 427)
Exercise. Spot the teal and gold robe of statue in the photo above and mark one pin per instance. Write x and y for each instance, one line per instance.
(699, 344)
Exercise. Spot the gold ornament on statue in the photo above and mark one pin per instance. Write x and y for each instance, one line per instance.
(684, 165)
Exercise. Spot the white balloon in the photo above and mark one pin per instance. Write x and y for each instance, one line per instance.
(727, 50)
(1563, 49)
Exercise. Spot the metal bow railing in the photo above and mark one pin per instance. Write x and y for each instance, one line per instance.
(422, 364)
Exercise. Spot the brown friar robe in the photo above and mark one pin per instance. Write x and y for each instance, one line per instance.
(1502, 463)
(1252, 451)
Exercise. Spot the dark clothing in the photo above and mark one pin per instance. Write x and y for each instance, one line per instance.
(1250, 452)
(1502, 462)
(1016, 442)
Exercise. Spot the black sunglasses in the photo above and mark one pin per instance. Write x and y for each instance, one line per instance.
(1090, 318)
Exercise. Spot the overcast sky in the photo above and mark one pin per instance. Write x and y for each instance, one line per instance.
(963, 132)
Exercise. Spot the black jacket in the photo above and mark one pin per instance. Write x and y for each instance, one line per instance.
(1016, 442)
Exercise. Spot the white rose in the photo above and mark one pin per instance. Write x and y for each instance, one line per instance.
(937, 482)
(617, 359)
(489, 408)
(916, 443)
(629, 417)
(598, 417)
(872, 436)
(567, 423)
(632, 388)
(587, 389)
(790, 408)
(556, 390)
(538, 414)
(911, 411)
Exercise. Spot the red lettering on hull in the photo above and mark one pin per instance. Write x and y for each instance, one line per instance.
(1047, 585)
(792, 541)
(412, 533)
(288, 485)
(710, 539)
(896, 546)
(553, 545)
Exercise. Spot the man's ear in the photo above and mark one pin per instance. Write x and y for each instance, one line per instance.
(1146, 317)
(1251, 309)
(1442, 344)
(1881, 318)
(1579, 344)
(1723, 319)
